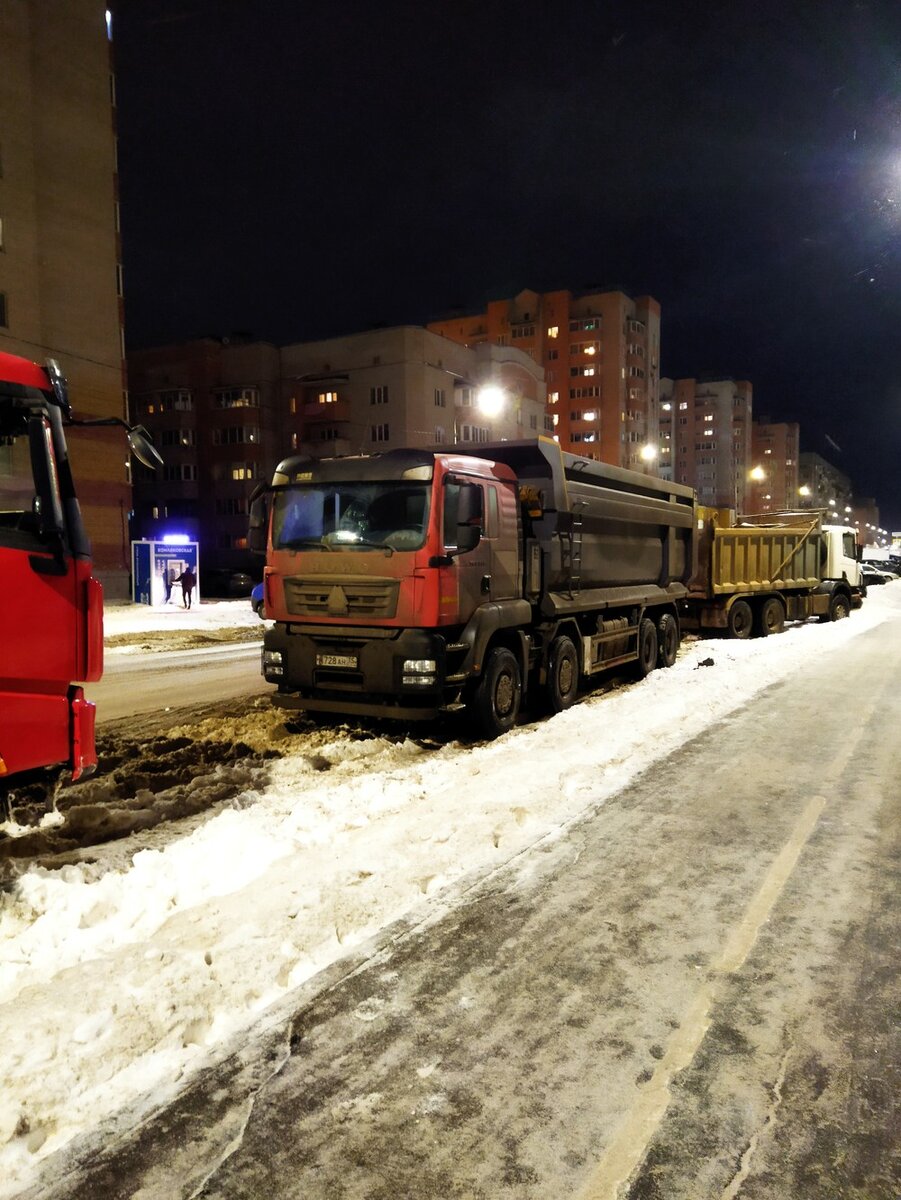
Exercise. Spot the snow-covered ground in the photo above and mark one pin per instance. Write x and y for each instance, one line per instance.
(129, 628)
(117, 986)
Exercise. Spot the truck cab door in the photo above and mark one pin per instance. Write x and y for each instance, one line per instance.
(38, 605)
(465, 500)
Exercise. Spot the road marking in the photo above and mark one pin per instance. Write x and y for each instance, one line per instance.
(631, 1140)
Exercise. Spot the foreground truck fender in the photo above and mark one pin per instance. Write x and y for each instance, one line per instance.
(51, 606)
(414, 583)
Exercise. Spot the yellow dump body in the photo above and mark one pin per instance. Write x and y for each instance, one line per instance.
(757, 558)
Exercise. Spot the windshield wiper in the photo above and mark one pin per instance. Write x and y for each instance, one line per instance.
(365, 542)
(299, 543)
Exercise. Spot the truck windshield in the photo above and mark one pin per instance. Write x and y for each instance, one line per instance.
(385, 515)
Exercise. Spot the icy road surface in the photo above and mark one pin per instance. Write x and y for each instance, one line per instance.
(123, 973)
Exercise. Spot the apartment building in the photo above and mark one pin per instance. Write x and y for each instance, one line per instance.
(705, 438)
(224, 413)
(387, 388)
(773, 480)
(822, 485)
(60, 273)
(214, 411)
(601, 357)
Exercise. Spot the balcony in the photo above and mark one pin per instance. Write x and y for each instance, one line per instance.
(328, 414)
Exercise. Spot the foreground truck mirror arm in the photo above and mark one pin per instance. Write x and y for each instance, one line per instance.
(139, 442)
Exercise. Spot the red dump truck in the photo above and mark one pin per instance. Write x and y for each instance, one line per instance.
(51, 607)
(413, 583)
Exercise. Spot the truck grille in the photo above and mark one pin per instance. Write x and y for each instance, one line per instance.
(341, 596)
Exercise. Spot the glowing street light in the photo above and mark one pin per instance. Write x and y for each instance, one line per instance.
(490, 400)
(758, 474)
(804, 490)
(648, 452)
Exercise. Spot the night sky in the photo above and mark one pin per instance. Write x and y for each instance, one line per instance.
(297, 169)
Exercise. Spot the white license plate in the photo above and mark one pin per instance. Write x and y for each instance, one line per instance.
(336, 660)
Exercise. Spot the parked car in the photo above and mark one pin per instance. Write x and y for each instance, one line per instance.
(872, 575)
(256, 601)
(225, 584)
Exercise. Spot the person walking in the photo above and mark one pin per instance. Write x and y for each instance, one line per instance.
(187, 579)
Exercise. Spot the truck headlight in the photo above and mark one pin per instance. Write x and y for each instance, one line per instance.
(419, 672)
(272, 663)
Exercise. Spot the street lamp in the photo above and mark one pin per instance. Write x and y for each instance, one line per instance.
(758, 474)
(804, 490)
(648, 452)
(490, 400)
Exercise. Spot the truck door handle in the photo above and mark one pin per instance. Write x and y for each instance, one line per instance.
(486, 583)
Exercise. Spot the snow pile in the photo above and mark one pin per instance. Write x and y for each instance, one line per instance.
(139, 627)
(115, 988)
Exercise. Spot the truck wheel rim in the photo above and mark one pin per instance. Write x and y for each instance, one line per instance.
(565, 676)
(503, 695)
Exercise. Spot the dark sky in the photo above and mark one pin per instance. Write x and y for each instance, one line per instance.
(298, 169)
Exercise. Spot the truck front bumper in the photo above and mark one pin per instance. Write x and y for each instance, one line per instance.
(373, 672)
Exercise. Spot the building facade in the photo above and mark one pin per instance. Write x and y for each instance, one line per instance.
(705, 438)
(601, 357)
(822, 485)
(224, 413)
(214, 411)
(407, 386)
(774, 483)
(60, 272)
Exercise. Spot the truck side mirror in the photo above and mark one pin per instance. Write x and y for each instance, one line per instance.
(47, 508)
(258, 524)
(143, 449)
(469, 517)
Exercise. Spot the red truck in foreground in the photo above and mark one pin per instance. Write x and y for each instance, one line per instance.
(51, 606)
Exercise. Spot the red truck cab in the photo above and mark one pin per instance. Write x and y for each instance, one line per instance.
(51, 608)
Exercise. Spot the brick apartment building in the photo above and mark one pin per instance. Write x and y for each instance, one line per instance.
(773, 479)
(60, 273)
(224, 413)
(705, 438)
(601, 357)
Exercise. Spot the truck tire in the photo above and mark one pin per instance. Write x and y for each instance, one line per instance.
(647, 647)
(668, 640)
(839, 607)
(771, 617)
(562, 685)
(495, 703)
(741, 620)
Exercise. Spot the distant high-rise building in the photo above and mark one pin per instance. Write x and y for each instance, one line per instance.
(773, 477)
(60, 275)
(822, 485)
(601, 356)
(705, 437)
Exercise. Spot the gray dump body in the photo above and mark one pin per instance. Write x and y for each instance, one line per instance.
(605, 535)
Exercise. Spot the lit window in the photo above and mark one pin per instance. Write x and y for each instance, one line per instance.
(666, 406)
(553, 397)
(553, 331)
(328, 397)
(683, 404)
(589, 416)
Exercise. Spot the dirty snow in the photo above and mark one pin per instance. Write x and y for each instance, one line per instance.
(116, 987)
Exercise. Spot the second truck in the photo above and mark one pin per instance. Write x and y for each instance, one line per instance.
(413, 583)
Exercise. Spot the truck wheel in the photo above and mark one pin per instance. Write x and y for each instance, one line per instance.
(495, 704)
(741, 620)
(839, 607)
(562, 683)
(668, 639)
(771, 618)
(647, 647)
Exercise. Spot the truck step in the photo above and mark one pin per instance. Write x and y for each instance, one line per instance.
(460, 677)
(451, 646)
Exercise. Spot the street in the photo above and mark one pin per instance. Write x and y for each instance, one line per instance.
(688, 993)
(133, 684)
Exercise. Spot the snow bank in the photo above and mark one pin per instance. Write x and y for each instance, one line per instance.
(115, 988)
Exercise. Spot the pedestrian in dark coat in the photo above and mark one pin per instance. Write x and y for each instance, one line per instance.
(187, 579)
